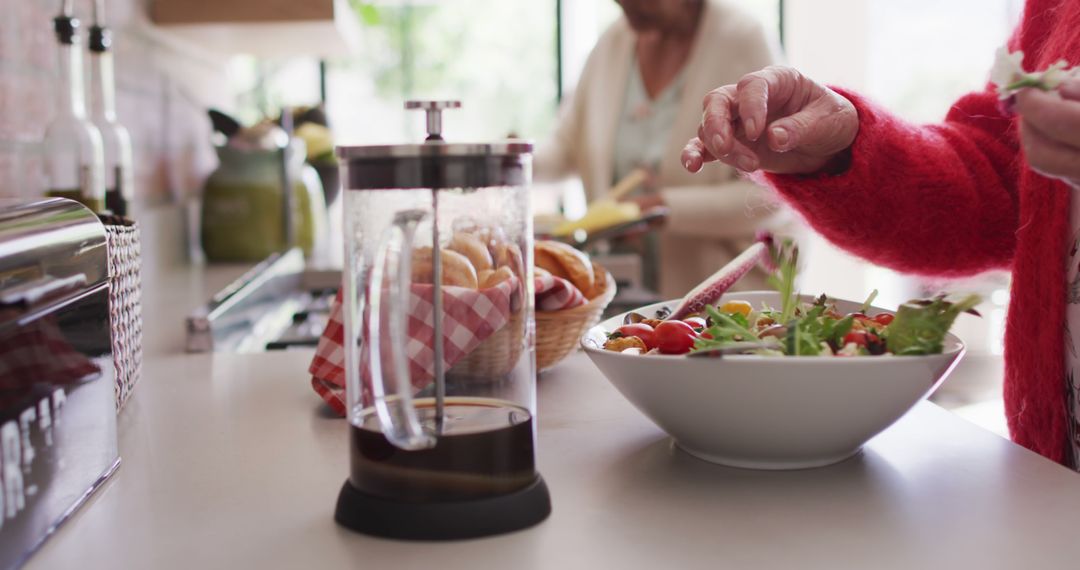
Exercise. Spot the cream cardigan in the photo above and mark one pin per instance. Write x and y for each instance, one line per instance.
(713, 214)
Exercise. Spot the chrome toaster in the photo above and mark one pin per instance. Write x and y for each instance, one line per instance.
(57, 407)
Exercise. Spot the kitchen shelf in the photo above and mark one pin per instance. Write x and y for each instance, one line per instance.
(263, 28)
(240, 11)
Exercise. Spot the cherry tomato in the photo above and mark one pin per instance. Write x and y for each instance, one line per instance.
(884, 319)
(695, 322)
(642, 331)
(674, 337)
(860, 338)
(705, 335)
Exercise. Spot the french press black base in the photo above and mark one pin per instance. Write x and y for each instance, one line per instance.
(386, 518)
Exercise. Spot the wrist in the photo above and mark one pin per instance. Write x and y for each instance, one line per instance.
(838, 164)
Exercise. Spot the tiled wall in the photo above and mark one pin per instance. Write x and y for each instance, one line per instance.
(163, 89)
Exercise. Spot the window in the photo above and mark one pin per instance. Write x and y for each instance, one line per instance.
(924, 54)
(499, 58)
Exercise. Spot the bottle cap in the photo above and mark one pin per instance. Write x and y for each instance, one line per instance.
(67, 29)
(100, 39)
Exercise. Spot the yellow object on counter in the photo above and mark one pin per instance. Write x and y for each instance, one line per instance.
(600, 215)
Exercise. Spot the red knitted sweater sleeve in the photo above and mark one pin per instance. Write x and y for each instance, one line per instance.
(935, 200)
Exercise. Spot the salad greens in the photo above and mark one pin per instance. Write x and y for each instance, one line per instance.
(816, 332)
(727, 328)
(920, 326)
(817, 328)
(786, 260)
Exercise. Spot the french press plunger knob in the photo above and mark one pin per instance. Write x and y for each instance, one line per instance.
(434, 110)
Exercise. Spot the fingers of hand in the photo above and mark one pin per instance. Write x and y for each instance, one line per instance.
(1048, 156)
(695, 155)
(1052, 115)
(716, 121)
(753, 102)
(742, 156)
(824, 127)
(1070, 89)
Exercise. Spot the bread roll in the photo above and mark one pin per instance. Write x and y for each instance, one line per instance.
(507, 254)
(457, 270)
(566, 262)
(492, 278)
(491, 236)
(599, 282)
(471, 247)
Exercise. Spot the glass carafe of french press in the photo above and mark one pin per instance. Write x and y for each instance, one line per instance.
(439, 356)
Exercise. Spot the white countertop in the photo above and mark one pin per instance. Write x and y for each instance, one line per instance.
(230, 462)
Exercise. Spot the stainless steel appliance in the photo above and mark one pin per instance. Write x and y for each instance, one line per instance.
(276, 305)
(57, 406)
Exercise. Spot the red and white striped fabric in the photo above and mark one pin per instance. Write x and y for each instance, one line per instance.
(470, 316)
(556, 294)
(39, 351)
(37, 354)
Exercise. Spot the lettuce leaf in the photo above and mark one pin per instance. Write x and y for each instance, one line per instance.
(920, 326)
(725, 331)
(807, 334)
(786, 258)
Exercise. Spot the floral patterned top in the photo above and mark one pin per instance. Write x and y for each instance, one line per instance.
(1072, 323)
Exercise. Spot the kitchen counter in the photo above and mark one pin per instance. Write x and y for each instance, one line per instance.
(232, 461)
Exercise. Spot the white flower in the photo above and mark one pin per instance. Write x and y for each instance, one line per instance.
(1009, 76)
(1056, 74)
(1008, 67)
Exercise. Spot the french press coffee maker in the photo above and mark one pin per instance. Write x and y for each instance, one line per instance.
(439, 338)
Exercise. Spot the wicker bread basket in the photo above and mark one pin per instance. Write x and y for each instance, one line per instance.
(125, 303)
(496, 356)
(558, 332)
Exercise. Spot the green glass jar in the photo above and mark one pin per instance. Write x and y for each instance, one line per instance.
(242, 205)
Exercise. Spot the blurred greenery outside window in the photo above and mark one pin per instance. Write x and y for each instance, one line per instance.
(498, 57)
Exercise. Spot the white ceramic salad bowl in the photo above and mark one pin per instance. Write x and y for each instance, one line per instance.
(771, 412)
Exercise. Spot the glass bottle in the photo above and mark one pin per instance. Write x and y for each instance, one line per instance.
(119, 178)
(74, 161)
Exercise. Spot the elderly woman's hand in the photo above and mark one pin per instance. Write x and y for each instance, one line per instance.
(775, 119)
(1050, 130)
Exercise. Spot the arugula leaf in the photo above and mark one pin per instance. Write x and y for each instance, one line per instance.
(725, 330)
(818, 331)
(920, 326)
(866, 304)
(787, 261)
(839, 329)
(805, 335)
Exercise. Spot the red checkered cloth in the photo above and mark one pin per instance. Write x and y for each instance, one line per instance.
(38, 353)
(555, 294)
(470, 316)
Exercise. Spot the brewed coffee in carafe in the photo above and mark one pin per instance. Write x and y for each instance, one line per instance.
(485, 449)
(440, 365)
